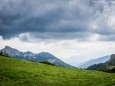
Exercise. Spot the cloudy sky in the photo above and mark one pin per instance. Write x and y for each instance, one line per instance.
(83, 29)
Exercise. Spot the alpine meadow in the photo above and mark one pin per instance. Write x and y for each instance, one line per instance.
(15, 72)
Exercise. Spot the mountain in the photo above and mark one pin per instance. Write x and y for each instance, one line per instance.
(95, 61)
(12, 52)
(43, 56)
(103, 66)
(111, 61)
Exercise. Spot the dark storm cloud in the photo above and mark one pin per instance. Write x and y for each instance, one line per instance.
(65, 19)
(107, 37)
(57, 35)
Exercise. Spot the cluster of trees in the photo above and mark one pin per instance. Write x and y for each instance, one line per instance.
(102, 67)
(3, 53)
(96, 66)
(110, 69)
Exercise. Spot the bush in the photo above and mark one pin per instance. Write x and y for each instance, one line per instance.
(48, 63)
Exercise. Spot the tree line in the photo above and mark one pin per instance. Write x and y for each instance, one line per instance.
(3, 53)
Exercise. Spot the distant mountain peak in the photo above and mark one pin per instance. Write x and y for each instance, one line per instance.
(113, 56)
(112, 59)
(28, 52)
(95, 61)
(44, 53)
(7, 47)
(11, 51)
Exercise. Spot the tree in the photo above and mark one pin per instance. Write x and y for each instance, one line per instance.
(1, 53)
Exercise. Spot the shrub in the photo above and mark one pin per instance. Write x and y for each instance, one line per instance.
(48, 63)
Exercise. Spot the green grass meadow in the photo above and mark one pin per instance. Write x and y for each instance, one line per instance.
(16, 72)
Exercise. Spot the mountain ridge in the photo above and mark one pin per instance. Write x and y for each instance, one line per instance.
(38, 57)
(95, 61)
(103, 66)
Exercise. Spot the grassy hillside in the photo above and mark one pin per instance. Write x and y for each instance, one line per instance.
(15, 72)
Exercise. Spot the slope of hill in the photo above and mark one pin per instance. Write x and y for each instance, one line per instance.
(104, 66)
(95, 61)
(111, 61)
(43, 56)
(16, 72)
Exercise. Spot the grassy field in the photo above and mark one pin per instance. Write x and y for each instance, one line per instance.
(15, 72)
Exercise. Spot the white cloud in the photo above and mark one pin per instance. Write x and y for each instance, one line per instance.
(1, 38)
